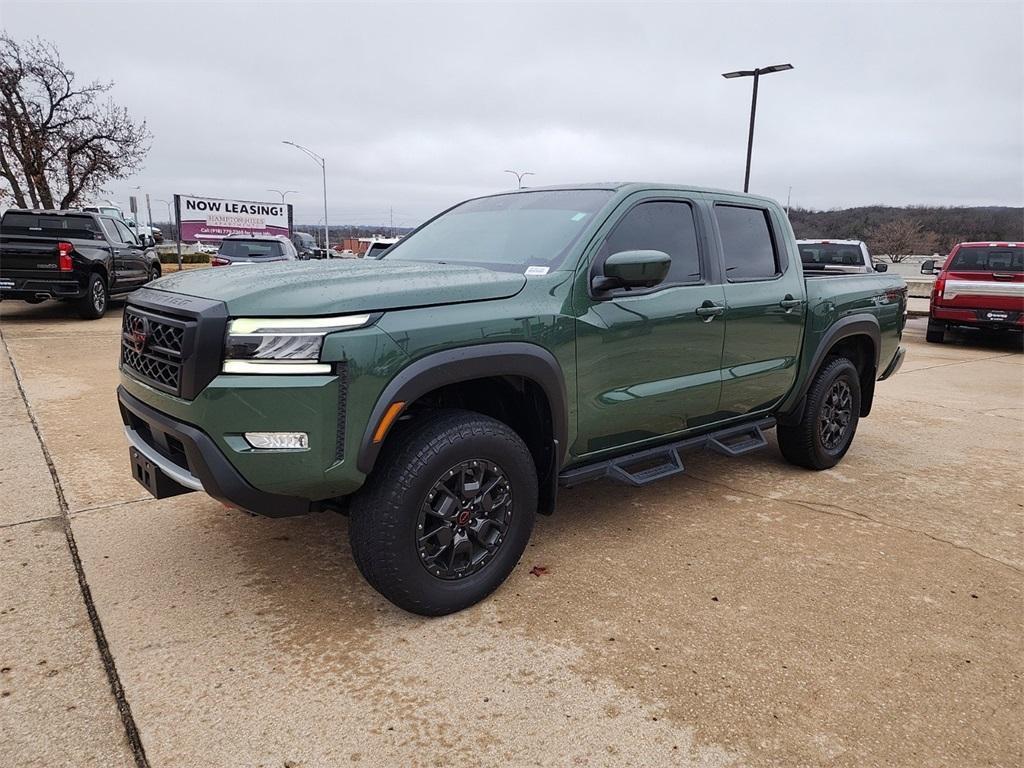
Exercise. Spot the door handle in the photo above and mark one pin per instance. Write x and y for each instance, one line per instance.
(708, 311)
(789, 303)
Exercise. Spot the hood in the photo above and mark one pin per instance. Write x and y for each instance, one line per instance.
(307, 288)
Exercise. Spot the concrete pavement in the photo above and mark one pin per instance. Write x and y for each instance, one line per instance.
(746, 613)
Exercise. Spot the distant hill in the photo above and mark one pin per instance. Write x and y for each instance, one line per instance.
(338, 232)
(939, 228)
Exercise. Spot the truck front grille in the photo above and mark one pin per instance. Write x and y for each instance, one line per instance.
(153, 348)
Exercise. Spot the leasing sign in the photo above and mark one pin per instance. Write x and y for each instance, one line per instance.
(212, 218)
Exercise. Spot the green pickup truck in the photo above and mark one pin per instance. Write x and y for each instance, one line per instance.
(512, 345)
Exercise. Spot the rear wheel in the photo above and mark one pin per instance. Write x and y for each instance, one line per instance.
(446, 514)
(825, 433)
(93, 305)
(936, 331)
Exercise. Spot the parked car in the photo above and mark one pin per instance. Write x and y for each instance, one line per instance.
(838, 256)
(513, 344)
(980, 285)
(70, 255)
(253, 249)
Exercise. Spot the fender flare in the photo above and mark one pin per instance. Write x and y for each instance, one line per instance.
(451, 366)
(862, 324)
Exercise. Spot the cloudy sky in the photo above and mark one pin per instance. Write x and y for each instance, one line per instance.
(418, 106)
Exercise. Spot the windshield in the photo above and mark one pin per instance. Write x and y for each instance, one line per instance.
(831, 254)
(506, 232)
(304, 240)
(253, 250)
(990, 259)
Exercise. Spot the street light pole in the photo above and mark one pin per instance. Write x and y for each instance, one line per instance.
(285, 192)
(756, 74)
(170, 216)
(519, 176)
(323, 169)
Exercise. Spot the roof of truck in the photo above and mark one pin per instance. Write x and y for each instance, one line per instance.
(990, 244)
(636, 186)
(53, 211)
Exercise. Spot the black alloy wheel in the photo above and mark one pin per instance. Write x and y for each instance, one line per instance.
(836, 413)
(463, 520)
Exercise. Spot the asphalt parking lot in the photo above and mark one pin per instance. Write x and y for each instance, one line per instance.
(746, 613)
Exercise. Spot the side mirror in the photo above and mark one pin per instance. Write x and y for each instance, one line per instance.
(633, 269)
(879, 267)
(928, 267)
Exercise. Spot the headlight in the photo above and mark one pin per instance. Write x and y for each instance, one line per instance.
(283, 344)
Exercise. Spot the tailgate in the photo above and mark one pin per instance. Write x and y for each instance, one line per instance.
(984, 290)
(27, 256)
(984, 277)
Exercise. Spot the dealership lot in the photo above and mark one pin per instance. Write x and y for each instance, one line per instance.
(745, 613)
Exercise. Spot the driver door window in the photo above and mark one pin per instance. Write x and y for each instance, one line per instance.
(660, 226)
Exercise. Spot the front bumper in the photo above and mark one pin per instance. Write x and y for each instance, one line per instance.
(170, 457)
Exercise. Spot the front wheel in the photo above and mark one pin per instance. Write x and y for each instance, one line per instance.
(825, 432)
(153, 273)
(93, 305)
(446, 514)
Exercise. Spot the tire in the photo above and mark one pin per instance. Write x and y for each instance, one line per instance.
(94, 304)
(153, 273)
(821, 439)
(936, 332)
(389, 513)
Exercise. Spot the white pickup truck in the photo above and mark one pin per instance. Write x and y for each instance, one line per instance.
(847, 256)
(148, 235)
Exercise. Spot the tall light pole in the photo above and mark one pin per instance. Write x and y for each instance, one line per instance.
(519, 176)
(285, 192)
(170, 216)
(323, 169)
(756, 74)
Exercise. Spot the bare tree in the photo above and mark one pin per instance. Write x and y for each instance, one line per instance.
(59, 141)
(895, 239)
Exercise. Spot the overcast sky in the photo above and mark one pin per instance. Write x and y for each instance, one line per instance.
(418, 106)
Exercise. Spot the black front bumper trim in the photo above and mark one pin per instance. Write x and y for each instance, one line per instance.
(205, 460)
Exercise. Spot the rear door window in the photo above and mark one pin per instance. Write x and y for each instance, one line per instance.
(748, 247)
(988, 259)
(112, 234)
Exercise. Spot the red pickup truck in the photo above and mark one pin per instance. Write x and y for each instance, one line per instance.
(980, 285)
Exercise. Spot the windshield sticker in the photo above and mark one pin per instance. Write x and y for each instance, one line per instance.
(579, 216)
(536, 271)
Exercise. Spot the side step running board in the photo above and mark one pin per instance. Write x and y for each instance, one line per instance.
(740, 443)
(646, 466)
